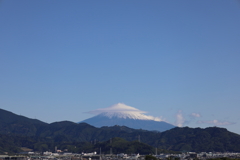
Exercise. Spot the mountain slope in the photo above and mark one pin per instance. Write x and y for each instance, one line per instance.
(16, 124)
(198, 139)
(123, 115)
(176, 139)
(35, 134)
(136, 121)
(151, 125)
(120, 145)
(9, 117)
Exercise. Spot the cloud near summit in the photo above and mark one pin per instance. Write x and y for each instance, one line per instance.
(120, 107)
(123, 108)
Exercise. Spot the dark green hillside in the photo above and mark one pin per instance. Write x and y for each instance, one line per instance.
(11, 123)
(38, 135)
(7, 117)
(120, 145)
(12, 144)
(197, 139)
(8, 144)
(83, 132)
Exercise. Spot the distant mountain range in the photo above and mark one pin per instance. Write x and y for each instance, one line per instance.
(129, 120)
(19, 131)
(123, 115)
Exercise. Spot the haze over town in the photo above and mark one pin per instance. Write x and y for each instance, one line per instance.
(176, 61)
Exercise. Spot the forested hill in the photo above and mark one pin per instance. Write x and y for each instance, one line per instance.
(11, 123)
(178, 139)
(197, 139)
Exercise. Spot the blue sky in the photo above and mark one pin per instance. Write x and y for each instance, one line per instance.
(179, 60)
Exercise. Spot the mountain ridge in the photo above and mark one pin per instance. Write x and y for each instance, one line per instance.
(11, 123)
(127, 115)
(100, 121)
(39, 135)
(123, 115)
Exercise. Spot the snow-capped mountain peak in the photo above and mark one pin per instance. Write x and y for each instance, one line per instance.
(121, 110)
(123, 115)
(128, 115)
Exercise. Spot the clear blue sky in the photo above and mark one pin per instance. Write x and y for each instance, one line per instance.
(173, 59)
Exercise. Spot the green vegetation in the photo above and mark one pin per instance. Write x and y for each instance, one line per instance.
(150, 157)
(120, 145)
(210, 139)
(12, 144)
(18, 131)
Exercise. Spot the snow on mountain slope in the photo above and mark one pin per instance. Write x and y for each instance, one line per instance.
(126, 115)
(123, 115)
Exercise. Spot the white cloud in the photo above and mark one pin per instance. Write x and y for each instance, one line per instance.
(179, 119)
(120, 107)
(196, 115)
(216, 122)
(125, 110)
(158, 118)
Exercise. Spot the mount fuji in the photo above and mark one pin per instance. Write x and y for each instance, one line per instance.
(123, 115)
